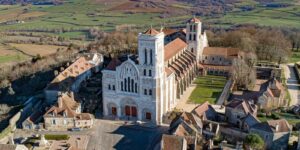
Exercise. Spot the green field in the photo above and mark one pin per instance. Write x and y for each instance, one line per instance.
(78, 14)
(209, 88)
(13, 58)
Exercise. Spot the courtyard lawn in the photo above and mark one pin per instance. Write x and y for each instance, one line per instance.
(209, 88)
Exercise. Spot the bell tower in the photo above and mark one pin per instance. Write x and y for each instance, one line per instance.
(193, 37)
(151, 64)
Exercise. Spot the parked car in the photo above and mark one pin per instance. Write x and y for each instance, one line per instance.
(75, 129)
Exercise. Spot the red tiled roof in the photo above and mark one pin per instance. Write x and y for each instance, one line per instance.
(174, 47)
(169, 31)
(283, 125)
(201, 109)
(172, 142)
(151, 31)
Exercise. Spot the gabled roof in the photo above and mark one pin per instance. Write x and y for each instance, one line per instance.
(65, 104)
(151, 31)
(250, 120)
(270, 126)
(242, 105)
(172, 48)
(201, 109)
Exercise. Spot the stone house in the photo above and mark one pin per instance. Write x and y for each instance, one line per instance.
(66, 114)
(71, 77)
(238, 109)
(273, 96)
(275, 133)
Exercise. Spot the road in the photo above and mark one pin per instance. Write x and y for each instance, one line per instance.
(292, 83)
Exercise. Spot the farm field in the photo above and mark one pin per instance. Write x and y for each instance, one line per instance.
(9, 55)
(34, 50)
(209, 88)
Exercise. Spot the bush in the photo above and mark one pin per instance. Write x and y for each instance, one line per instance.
(261, 115)
(56, 137)
(275, 116)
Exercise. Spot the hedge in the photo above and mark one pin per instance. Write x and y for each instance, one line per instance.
(57, 137)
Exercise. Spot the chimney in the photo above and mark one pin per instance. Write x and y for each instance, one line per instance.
(277, 128)
(60, 102)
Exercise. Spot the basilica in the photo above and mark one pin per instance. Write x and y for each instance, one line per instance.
(145, 86)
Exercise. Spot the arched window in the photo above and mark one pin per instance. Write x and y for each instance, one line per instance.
(150, 73)
(145, 56)
(114, 88)
(125, 81)
(194, 37)
(151, 56)
(128, 84)
(122, 86)
(145, 72)
(135, 87)
(150, 92)
(109, 87)
(132, 85)
(191, 27)
(145, 91)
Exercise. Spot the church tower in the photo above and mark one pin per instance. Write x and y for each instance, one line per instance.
(151, 65)
(194, 37)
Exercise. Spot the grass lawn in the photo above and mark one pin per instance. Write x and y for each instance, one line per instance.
(291, 118)
(295, 57)
(209, 88)
(13, 58)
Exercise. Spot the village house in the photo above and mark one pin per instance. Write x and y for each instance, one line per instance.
(66, 114)
(71, 77)
(275, 133)
(171, 142)
(236, 110)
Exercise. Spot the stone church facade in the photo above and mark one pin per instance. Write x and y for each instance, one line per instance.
(147, 85)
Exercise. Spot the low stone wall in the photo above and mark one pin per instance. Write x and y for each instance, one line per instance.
(11, 127)
(225, 92)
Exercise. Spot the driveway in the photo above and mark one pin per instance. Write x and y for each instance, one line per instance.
(292, 83)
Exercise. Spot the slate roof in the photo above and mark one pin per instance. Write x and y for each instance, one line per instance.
(270, 126)
(244, 105)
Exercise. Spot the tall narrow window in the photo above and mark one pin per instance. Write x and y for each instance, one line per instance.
(190, 37)
(145, 72)
(191, 28)
(109, 87)
(194, 37)
(145, 56)
(128, 84)
(145, 91)
(132, 85)
(122, 86)
(194, 28)
(150, 92)
(135, 87)
(192, 50)
(150, 73)
(114, 88)
(125, 81)
(151, 56)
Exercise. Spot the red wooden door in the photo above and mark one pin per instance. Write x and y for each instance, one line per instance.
(114, 111)
(148, 116)
(133, 111)
(127, 110)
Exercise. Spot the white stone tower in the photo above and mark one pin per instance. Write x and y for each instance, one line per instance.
(151, 64)
(194, 37)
